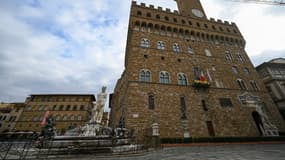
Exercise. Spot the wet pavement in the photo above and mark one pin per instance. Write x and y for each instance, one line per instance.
(225, 152)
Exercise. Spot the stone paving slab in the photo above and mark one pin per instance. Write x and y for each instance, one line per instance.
(226, 152)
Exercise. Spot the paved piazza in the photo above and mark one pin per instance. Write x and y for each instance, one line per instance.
(226, 152)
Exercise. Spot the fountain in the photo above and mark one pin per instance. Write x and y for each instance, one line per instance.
(90, 138)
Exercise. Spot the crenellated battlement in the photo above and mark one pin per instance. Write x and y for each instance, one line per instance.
(222, 22)
(159, 8)
(168, 10)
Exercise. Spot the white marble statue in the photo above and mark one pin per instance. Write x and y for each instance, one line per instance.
(98, 108)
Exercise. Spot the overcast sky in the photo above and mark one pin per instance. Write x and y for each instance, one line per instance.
(77, 46)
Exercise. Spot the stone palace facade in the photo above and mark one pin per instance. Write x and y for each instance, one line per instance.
(190, 75)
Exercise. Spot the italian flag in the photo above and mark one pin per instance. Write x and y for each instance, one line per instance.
(45, 117)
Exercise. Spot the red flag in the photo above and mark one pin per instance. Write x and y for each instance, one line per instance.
(202, 77)
(44, 118)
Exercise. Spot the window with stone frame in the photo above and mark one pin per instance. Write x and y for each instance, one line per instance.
(148, 14)
(74, 108)
(204, 105)
(219, 83)
(57, 118)
(208, 52)
(72, 117)
(241, 84)
(145, 43)
(64, 118)
(145, 75)
(157, 16)
(160, 45)
(190, 50)
(151, 102)
(229, 56)
(254, 85)
(46, 108)
(225, 102)
(79, 118)
(235, 69)
(82, 107)
(246, 70)
(176, 48)
(183, 107)
(61, 107)
(41, 108)
(68, 107)
(164, 77)
(182, 79)
(240, 58)
(35, 119)
(139, 13)
(54, 107)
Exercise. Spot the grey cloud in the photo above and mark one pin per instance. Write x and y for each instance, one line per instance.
(31, 54)
(266, 56)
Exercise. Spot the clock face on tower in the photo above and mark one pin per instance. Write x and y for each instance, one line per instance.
(198, 13)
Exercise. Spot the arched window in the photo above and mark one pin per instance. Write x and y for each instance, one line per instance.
(240, 58)
(190, 50)
(160, 45)
(54, 108)
(61, 107)
(176, 48)
(229, 56)
(79, 118)
(182, 80)
(208, 52)
(235, 69)
(242, 84)
(35, 119)
(190, 23)
(82, 108)
(41, 108)
(246, 70)
(68, 107)
(145, 43)
(157, 16)
(74, 108)
(72, 117)
(148, 14)
(166, 18)
(164, 77)
(46, 108)
(57, 118)
(64, 118)
(145, 75)
(254, 85)
(198, 24)
(139, 13)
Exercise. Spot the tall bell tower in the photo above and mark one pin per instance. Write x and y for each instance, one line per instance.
(192, 8)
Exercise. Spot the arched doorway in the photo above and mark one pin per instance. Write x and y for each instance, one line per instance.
(258, 121)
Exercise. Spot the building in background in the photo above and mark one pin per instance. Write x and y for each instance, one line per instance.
(273, 75)
(68, 111)
(189, 76)
(9, 115)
